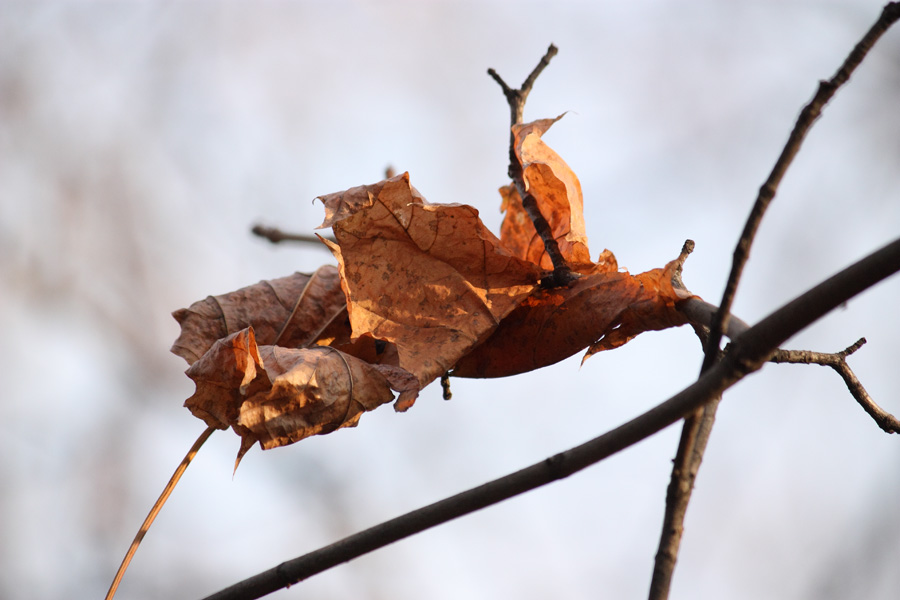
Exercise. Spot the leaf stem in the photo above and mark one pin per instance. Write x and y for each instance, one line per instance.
(157, 506)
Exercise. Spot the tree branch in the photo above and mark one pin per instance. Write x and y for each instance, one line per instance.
(276, 236)
(516, 98)
(745, 355)
(838, 361)
(701, 313)
(889, 15)
(691, 447)
(695, 432)
(695, 435)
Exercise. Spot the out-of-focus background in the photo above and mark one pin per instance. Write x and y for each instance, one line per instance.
(139, 142)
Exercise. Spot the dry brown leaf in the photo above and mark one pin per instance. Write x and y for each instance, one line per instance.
(601, 311)
(290, 311)
(420, 289)
(654, 310)
(223, 376)
(277, 396)
(558, 193)
(429, 278)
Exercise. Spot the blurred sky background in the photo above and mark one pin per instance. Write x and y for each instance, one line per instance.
(140, 141)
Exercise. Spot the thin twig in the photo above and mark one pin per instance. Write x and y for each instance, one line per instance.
(692, 445)
(701, 314)
(516, 97)
(747, 354)
(838, 361)
(808, 116)
(562, 274)
(276, 236)
(694, 437)
(445, 386)
(157, 506)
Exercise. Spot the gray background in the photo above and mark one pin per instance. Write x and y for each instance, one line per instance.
(140, 141)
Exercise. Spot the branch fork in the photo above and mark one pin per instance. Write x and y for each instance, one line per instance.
(562, 274)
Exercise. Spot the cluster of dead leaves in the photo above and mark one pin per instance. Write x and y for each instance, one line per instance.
(420, 290)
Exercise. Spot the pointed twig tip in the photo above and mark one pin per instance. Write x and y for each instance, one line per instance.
(853, 347)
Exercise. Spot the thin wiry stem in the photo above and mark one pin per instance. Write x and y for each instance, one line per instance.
(157, 506)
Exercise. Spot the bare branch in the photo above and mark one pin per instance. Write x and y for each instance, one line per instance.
(695, 435)
(276, 236)
(838, 361)
(516, 98)
(691, 447)
(693, 442)
(808, 116)
(746, 355)
(701, 314)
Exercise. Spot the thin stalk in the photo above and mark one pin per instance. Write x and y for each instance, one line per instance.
(167, 491)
